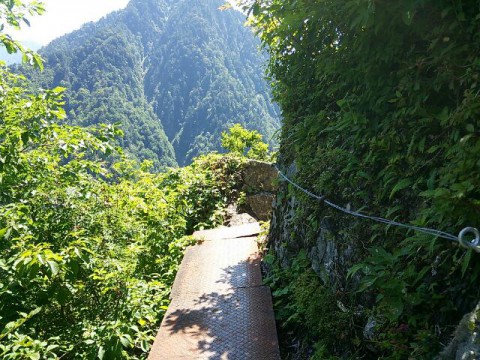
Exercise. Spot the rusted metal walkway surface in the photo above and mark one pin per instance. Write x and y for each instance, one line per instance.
(220, 309)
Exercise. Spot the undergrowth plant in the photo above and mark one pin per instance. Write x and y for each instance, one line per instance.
(246, 143)
(304, 306)
(90, 241)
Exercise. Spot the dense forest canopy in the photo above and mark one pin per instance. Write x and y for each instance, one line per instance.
(381, 109)
(175, 74)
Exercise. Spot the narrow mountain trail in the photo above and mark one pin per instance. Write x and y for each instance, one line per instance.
(220, 309)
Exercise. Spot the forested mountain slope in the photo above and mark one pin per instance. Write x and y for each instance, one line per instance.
(174, 73)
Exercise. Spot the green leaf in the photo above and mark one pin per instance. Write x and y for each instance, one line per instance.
(466, 261)
(269, 259)
(281, 291)
(145, 345)
(53, 267)
(63, 295)
(101, 352)
(58, 90)
(402, 184)
(256, 9)
(35, 312)
(355, 268)
(126, 340)
(25, 136)
(421, 145)
(38, 62)
(407, 18)
(393, 306)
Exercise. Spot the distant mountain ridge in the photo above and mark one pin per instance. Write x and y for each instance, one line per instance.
(174, 73)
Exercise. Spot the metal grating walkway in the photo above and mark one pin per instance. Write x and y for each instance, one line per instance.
(220, 309)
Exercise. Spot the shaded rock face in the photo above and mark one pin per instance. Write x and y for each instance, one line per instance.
(331, 245)
(260, 186)
(260, 205)
(465, 344)
(260, 176)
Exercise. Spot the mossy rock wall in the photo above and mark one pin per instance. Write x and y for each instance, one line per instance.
(380, 104)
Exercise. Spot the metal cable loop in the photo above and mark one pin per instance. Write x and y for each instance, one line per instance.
(473, 244)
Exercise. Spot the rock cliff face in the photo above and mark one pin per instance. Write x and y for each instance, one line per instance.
(260, 183)
(333, 249)
(465, 344)
(330, 248)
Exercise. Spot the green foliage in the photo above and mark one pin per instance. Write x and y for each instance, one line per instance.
(404, 290)
(303, 305)
(89, 246)
(206, 187)
(243, 142)
(381, 112)
(14, 14)
(90, 240)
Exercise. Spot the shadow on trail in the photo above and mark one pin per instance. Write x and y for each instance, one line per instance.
(235, 323)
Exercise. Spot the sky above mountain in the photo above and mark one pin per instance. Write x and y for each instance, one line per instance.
(64, 16)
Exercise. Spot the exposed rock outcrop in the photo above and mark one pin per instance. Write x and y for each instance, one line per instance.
(260, 186)
(465, 344)
(330, 248)
(260, 176)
